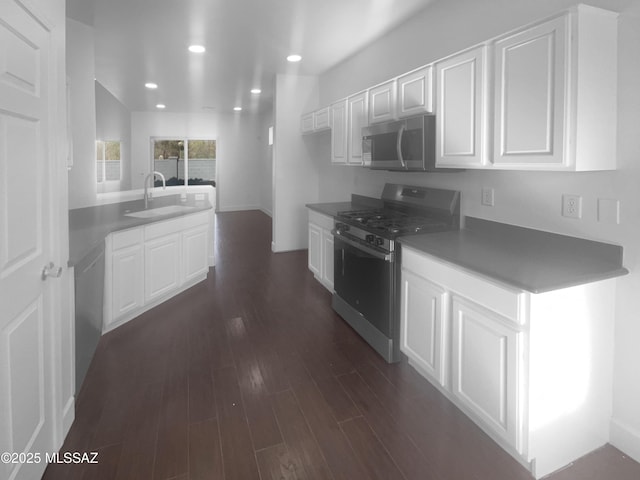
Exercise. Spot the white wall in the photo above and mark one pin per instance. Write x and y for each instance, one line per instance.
(531, 199)
(113, 122)
(295, 178)
(81, 77)
(238, 180)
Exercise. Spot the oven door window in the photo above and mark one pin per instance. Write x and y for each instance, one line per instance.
(364, 282)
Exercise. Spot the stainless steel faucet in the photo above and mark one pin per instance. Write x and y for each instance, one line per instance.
(148, 195)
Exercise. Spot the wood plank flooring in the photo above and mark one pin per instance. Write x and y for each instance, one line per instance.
(251, 375)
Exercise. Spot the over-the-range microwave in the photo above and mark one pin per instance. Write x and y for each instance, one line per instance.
(404, 145)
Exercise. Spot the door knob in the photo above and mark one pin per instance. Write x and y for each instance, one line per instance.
(51, 270)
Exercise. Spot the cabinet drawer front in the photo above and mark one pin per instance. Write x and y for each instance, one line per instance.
(320, 220)
(126, 238)
(175, 225)
(509, 303)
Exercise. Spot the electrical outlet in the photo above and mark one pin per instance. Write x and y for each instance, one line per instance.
(487, 196)
(571, 206)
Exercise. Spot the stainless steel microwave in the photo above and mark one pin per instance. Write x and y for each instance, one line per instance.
(405, 145)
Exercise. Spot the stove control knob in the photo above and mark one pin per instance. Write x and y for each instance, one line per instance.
(379, 241)
(370, 238)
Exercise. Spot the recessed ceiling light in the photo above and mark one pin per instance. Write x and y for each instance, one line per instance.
(237, 109)
(256, 90)
(196, 49)
(161, 106)
(294, 58)
(151, 85)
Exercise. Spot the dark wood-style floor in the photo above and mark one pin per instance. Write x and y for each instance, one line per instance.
(250, 375)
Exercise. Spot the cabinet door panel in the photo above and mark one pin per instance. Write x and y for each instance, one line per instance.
(127, 280)
(357, 119)
(382, 102)
(339, 132)
(162, 266)
(486, 368)
(530, 76)
(315, 250)
(306, 123)
(461, 110)
(415, 92)
(321, 119)
(327, 259)
(423, 325)
(195, 253)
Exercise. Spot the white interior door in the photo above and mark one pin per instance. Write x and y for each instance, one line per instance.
(26, 243)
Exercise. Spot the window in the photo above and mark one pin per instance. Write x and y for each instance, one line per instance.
(108, 165)
(172, 157)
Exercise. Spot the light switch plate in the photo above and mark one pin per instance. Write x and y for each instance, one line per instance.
(609, 211)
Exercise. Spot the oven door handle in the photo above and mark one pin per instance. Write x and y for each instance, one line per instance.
(387, 257)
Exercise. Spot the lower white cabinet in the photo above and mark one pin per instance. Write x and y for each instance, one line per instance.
(486, 356)
(128, 280)
(534, 371)
(321, 248)
(423, 324)
(161, 266)
(147, 265)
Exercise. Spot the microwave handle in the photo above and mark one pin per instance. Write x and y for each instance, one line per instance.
(399, 146)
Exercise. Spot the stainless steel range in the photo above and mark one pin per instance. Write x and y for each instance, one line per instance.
(367, 258)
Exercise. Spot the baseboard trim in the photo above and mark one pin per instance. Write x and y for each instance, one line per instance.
(68, 416)
(239, 208)
(625, 439)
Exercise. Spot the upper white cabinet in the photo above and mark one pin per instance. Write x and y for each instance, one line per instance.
(415, 92)
(348, 116)
(555, 94)
(461, 110)
(338, 112)
(306, 123)
(316, 121)
(356, 119)
(382, 102)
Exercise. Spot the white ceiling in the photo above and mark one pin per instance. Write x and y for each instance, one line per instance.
(140, 41)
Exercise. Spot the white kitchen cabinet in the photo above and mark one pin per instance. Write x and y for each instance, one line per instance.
(555, 94)
(147, 265)
(338, 111)
(486, 357)
(382, 102)
(534, 371)
(315, 249)
(316, 121)
(306, 123)
(356, 120)
(126, 277)
(415, 92)
(327, 259)
(161, 266)
(194, 253)
(461, 110)
(321, 119)
(320, 259)
(423, 331)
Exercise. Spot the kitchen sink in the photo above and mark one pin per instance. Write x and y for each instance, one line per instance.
(158, 212)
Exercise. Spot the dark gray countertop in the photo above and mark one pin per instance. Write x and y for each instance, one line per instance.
(88, 227)
(524, 258)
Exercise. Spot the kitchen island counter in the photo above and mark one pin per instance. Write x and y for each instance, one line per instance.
(522, 258)
(89, 226)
